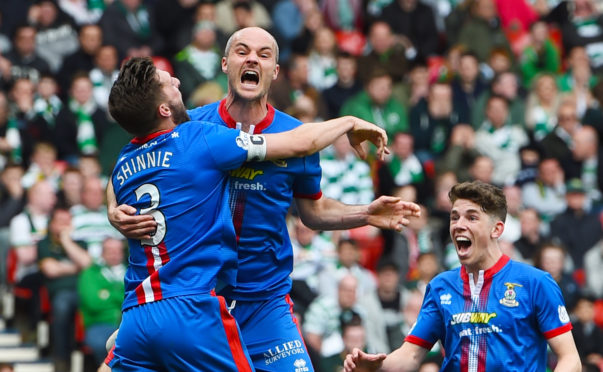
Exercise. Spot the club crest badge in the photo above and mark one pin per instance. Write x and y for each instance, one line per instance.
(510, 295)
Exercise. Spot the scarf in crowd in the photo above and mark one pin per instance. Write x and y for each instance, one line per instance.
(86, 139)
(48, 109)
(14, 140)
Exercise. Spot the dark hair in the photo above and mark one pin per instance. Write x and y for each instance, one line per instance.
(349, 241)
(349, 318)
(548, 244)
(490, 198)
(135, 96)
(498, 96)
(245, 5)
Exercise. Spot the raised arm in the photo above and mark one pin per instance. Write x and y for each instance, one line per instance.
(564, 347)
(406, 358)
(386, 212)
(312, 137)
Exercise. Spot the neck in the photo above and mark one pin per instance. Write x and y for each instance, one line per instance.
(246, 112)
(485, 263)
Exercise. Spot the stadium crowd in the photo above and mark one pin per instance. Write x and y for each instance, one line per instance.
(509, 92)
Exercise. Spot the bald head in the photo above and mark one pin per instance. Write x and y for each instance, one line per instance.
(250, 32)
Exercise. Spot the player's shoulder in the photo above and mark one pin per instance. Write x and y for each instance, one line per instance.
(447, 277)
(283, 121)
(527, 270)
(203, 112)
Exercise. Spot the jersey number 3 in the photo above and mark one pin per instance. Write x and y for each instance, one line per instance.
(153, 192)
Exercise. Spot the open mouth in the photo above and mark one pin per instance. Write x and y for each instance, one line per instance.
(250, 77)
(463, 243)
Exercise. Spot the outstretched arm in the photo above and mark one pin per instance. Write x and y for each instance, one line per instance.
(386, 212)
(312, 137)
(406, 358)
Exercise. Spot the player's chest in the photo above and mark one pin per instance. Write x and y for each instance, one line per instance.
(274, 176)
(499, 307)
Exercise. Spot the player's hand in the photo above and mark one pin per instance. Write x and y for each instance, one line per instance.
(388, 212)
(359, 360)
(131, 225)
(365, 131)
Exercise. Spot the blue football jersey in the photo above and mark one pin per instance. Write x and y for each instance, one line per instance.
(499, 324)
(260, 196)
(180, 177)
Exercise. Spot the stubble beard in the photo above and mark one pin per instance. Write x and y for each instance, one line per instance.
(179, 114)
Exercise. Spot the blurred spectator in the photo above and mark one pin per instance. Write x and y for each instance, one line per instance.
(402, 167)
(81, 124)
(200, 60)
(12, 202)
(226, 17)
(101, 293)
(293, 84)
(588, 335)
(467, 86)
(57, 36)
(559, 142)
(347, 262)
(312, 252)
(499, 61)
(174, 21)
(61, 260)
(542, 105)
(130, 26)
(345, 177)
(460, 154)
(500, 140)
(593, 267)
(376, 104)
(70, 192)
(26, 230)
(14, 13)
(584, 28)
(418, 238)
(322, 322)
(576, 57)
(531, 235)
(90, 42)
(322, 73)
(415, 85)
(432, 120)
(577, 229)
(103, 74)
(83, 12)
(414, 23)
(24, 57)
(385, 53)
(512, 231)
(439, 217)
(10, 135)
(428, 266)
(389, 294)
(481, 31)
(482, 169)
(529, 156)
(47, 103)
(505, 85)
(301, 38)
(347, 84)
(551, 258)
(541, 55)
(347, 15)
(89, 219)
(44, 166)
(353, 335)
(22, 115)
(586, 164)
(547, 193)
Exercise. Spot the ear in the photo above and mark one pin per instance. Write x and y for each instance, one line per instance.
(224, 65)
(277, 68)
(497, 230)
(164, 111)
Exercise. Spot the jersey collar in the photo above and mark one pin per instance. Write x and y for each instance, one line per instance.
(147, 138)
(491, 271)
(232, 123)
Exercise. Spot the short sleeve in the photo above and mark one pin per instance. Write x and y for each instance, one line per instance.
(307, 184)
(428, 328)
(551, 313)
